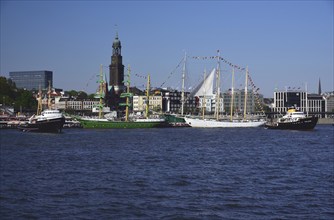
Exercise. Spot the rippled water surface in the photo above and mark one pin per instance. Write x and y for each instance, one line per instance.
(181, 173)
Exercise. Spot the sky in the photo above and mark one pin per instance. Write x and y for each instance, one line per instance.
(283, 43)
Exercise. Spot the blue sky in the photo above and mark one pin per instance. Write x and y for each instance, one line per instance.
(284, 43)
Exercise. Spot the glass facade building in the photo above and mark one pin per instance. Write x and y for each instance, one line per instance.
(32, 80)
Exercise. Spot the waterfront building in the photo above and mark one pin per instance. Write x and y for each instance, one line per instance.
(76, 105)
(253, 101)
(172, 102)
(329, 104)
(209, 103)
(310, 103)
(32, 80)
(139, 103)
(62, 101)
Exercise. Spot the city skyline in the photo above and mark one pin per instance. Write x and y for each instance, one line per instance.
(284, 44)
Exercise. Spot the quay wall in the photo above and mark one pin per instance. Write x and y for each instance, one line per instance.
(326, 121)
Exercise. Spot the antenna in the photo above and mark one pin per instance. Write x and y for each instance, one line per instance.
(116, 30)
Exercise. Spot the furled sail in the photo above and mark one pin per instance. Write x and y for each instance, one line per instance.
(205, 88)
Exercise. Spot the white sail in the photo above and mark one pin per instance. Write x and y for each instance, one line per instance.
(206, 87)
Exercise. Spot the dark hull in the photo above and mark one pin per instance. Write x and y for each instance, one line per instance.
(54, 125)
(302, 124)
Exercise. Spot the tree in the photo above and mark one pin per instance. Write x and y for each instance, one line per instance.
(72, 93)
(25, 100)
(20, 98)
(91, 96)
(5, 90)
(82, 95)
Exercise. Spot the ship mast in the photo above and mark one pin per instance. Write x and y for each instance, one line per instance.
(39, 103)
(147, 95)
(127, 97)
(306, 99)
(101, 92)
(217, 86)
(246, 86)
(49, 96)
(204, 98)
(183, 77)
(232, 95)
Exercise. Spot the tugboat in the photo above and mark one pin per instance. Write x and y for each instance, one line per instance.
(294, 120)
(48, 120)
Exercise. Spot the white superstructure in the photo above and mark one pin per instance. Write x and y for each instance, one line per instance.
(47, 114)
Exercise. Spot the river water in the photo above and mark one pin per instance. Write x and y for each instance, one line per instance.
(168, 173)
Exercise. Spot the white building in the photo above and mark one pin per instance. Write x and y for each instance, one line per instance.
(139, 103)
(308, 103)
(209, 102)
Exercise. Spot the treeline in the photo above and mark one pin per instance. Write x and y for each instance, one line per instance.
(19, 98)
(79, 94)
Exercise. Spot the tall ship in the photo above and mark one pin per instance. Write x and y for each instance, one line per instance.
(213, 123)
(105, 121)
(48, 120)
(216, 122)
(294, 120)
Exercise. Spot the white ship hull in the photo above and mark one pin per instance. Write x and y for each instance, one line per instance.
(210, 123)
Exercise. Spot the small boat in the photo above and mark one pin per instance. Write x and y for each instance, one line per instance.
(48, 121)
(294, 120)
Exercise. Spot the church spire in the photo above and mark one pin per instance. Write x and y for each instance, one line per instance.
(116, 46)
(319, 87)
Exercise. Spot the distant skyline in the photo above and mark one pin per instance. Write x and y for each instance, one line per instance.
(283, 43)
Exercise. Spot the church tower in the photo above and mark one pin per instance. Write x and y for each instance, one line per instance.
(116, 68)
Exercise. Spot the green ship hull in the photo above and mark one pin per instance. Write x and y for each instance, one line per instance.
(175, 121)
(122, 124)
(173, 118)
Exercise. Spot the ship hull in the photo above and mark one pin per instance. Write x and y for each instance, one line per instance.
(121, 124)
(302, 124)
(207, 123)
(175, 121)
(51, 125)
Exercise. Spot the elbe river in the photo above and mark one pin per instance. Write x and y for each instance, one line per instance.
(168, 173)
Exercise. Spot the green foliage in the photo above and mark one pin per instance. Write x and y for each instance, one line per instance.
(82, 95)
(78, 94)
(91, 96)
(25, 99)
(20, 98)
(72, 93)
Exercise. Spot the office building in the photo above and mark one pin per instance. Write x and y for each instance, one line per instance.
(310, 103)
(32, 80)
(253, 101)
(172, 103)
